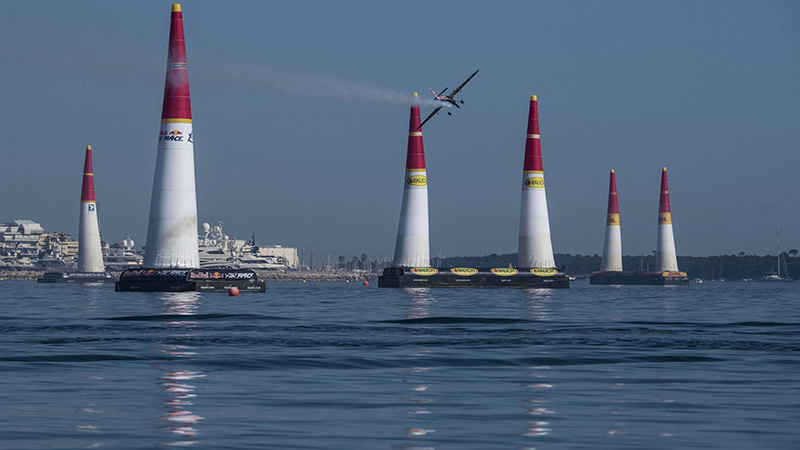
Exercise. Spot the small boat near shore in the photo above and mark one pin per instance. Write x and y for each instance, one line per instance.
(777, 276)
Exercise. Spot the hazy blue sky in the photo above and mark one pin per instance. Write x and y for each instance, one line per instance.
(288, 143)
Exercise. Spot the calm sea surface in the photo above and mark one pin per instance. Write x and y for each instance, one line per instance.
(344, 366)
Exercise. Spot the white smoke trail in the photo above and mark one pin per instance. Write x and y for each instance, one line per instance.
(107, 60)
(259, 78)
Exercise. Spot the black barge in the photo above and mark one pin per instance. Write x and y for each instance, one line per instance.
(640, 278)
(189, 280)
(468, 277)
(76, 277)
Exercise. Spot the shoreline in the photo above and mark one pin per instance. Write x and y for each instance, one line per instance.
(266, 275)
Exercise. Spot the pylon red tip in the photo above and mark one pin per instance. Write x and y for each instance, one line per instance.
(613, 206)
(177, 106)
(415, 158)
(533, 146)
(87, 188)
(663, 204)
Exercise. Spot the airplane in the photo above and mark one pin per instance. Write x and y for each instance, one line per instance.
(446, 99)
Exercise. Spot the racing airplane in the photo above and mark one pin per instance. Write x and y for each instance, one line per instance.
(446, 99)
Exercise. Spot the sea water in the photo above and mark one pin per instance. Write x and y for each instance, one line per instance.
(347, 366)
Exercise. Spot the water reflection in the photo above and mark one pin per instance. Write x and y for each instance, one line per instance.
(538, 410)
(177, 382)
(92, 295)
(418, 378)
(179, 398)
(88, 413)
(419, 303)
(538, 305)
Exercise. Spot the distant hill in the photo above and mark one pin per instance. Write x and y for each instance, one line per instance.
(733, 267)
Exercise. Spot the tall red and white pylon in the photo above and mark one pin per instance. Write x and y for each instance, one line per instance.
(412, 248)
(612, 248)
(666, 258)
(172, 231)
(535, 246)
(90, 252)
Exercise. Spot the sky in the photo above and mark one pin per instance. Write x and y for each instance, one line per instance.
(300, 118)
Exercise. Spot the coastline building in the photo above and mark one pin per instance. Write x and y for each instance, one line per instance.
(25, 245)
(20, 238)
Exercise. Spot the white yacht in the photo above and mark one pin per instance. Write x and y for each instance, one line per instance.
(122, 258)
(218, 251)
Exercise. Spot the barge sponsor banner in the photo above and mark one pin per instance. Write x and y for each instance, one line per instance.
(424, 271)
(504, 271)
(86, 275)
(673, 274)
(154, 273)
(544, 272)
(464, 271)
(222, 275)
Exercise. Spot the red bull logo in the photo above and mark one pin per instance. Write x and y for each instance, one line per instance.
(174, 135)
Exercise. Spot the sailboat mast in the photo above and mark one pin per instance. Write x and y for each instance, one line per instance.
(778, 247)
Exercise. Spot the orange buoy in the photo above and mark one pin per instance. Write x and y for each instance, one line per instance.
(366, 283)
(233, 292)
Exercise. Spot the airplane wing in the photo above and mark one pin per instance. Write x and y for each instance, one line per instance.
(433, 113)
(440, 93)
(456, 90)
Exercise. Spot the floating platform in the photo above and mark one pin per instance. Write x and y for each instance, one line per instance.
(467, 277)
(76, 277)
(189, 280)
(642, 278)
